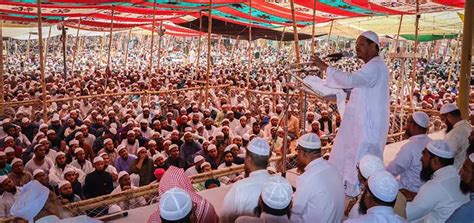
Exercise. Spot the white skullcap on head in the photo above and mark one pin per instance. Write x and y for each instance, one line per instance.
(16, 160)
(63, 183)
(73, 142)
(2, 179)
(60, 153)
(383, 185)
(309, 141)
(114, 209)
(205, 164)
(259, 146)
(229, 147)
(277, 193)
(98, 159)
(141, 149)
(37, 171)
(131, 132)
(143, 121)
(440, 148)
(113, 131)
(68, 170)
(421, 119)
(78, 150)
(77, 134)
(50, 132)
(31, 200)
(198, 158)
(175, 204)
(121, 174)
(8, 138)
(9, 150)
(120, 147)
(372, 36)
(152, 142)
(156, 156)
(107, 140)
(25, 120)
(43, 140)
(211, 147)
(370, 164)
(447, 108)
(43, 126)
(173, 146)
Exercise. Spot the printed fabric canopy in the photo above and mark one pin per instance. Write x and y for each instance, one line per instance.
(118, 15)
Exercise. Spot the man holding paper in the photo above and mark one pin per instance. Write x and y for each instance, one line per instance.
(365, 123)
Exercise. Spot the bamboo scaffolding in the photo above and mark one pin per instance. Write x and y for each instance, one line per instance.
(281, 38)
(453, 58)
(76, 46)
(28, 47)
(415, 50)
(152, 39)
(392, 73)
(295, 32)
(313, 28)
(233, 48)
(40, 45)
(126, 51)
(466, 59)
(46, 45)
(160, 35)
(110, 40)
(250, 45)
(199, 47)
(329, 34)
(208, 73)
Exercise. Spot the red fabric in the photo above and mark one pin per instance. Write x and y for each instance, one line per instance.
(175, 177)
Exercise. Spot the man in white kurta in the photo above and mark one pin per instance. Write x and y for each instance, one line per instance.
(365, 122)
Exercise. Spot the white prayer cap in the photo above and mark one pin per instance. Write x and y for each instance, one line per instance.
(2, 179)
(274, 117)
(107, 140)
(8, 138)
(63, 183)
(43, 140)
(78, 150)
(156, 156)
(77, 134)
(37, 171)
(120, 147)
(421, 119)
(130, 132)
(447, 108)
(167, 142)
(68, 170)
(277, 193)
(370, 164)
(16, 160)
(205, 164)
(173, 146)
(98, 159)
(114, 209)
(259, 146)
(211, 147)
(198, 158)
(60, 153)
(229, 147)
(50, 132)
(9, 150)
(246, 137)
(143, 121)
(175, 204)
(372, 36)
(73, 142)
(309, 141)
(31, 200)
(440, 148)
(471, 157)
(140, 149)
(25, 120)
(43, 126)
(383, 185)
(121, 174)
(113, 131)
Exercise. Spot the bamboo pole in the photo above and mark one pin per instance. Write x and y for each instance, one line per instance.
(40, 45)
(102, 43)
(110, 38)
(2, 83)
(281, 38)
(453, 57)
(160, 35)
(46, 44)
(392, 77)
(233, 48)
(64, 42)
(466, 59)
(152, 39)
(28, 47)
(209, 30)
(415, 59)
(76, 46)
(126, 50)
(313, 28)
(329, 34)
(295, 32)
(250, 45)
(199, 47)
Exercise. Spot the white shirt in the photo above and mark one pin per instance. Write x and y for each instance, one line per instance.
(364, 127)
(319, 194)
(56, 174)
(6, 202)
(240, 131)
(243, 197)
(407, 163)
(378, 214)
(438, 198)
(191, 171)
(458, 139)
(87, 168)
(46, 166)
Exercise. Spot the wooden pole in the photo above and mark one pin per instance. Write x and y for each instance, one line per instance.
(126, 50)
(233, 48)
(64, 42)
(453, 57)
(199, 47)
(152, 39)
(281, 39)
(313, 28)
(415, 59)
(160, 36)
(209, 30)
(40, 45)
(466, 59)
(110, 37)
(28, 47)
(392, 77)
(250, 44)
(2, 83)
(76, 46)
(329, 34)
(295, 32)
(46, 44)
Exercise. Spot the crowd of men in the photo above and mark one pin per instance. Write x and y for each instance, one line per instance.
(99, 146)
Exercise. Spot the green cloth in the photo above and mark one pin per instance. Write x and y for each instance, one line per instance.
(430, 37)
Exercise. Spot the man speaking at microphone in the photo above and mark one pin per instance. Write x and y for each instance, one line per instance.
(365, 123)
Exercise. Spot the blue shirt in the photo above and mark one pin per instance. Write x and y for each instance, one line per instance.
(124, 165)
(5, 171)
(465, 213)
